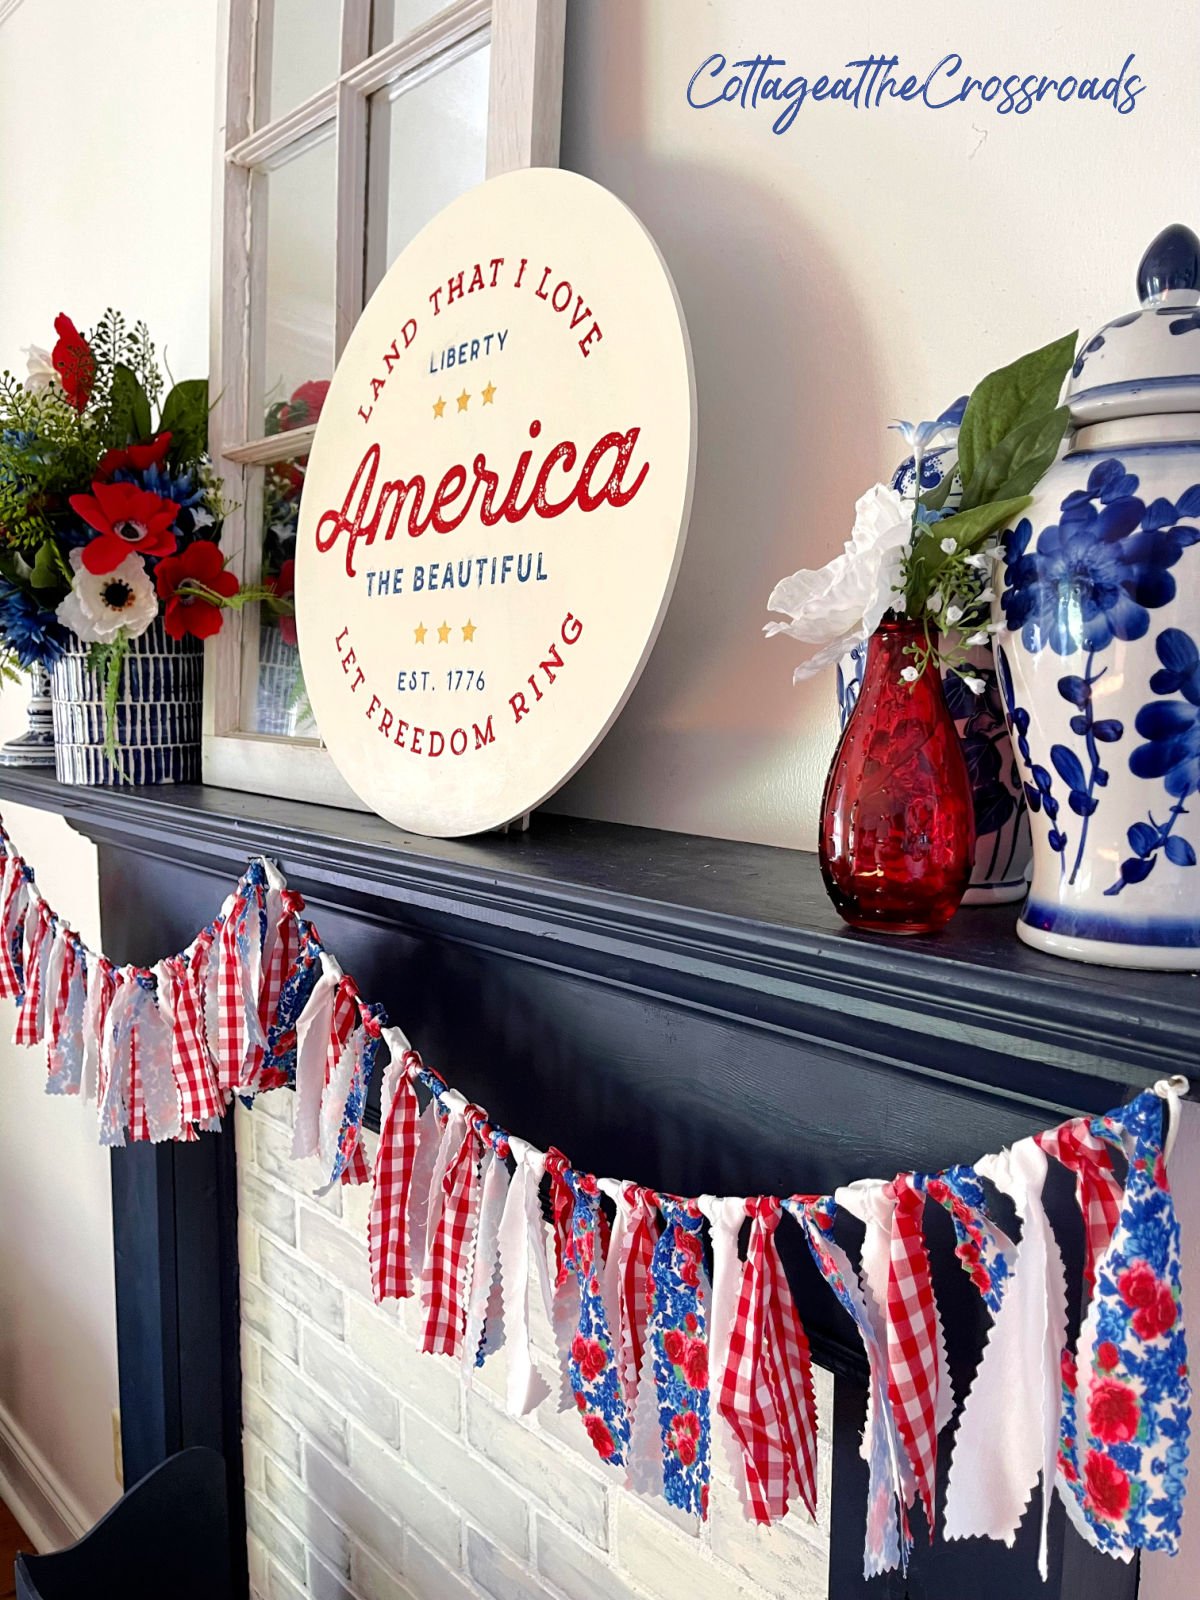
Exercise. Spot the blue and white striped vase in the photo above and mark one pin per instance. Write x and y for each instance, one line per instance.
(158, 715)
(1098, 648)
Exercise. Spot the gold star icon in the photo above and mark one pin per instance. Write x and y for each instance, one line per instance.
(419, 633)
(464, 400)
(468, 630)
(439, 405)
(489, 393)
(444, 633)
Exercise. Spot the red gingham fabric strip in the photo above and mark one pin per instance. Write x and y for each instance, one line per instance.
(29, 1017)
(1097, 1187)
(230, 1043)
(199, 1097)
(14, 884)
(912, 1341)
(445, 1309)
(765, 1394)
(391, 1270)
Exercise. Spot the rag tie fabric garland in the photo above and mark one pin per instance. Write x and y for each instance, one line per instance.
(660, 1352)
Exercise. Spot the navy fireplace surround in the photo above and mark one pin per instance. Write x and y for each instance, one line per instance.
(687, 1012)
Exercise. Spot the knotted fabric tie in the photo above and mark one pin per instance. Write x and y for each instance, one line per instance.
(1097, 1188)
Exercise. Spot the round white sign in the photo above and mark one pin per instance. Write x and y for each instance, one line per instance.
(495, 504)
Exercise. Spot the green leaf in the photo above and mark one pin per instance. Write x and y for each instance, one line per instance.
(935, 498)
(129, 406)
(1016, 464)
(50, 571)
(1007, 398)
(971, 528)
(185, 418)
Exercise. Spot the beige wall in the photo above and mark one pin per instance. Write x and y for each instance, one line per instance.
(105, 141)
(860, 267)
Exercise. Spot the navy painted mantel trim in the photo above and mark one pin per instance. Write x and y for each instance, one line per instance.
(686, 1012)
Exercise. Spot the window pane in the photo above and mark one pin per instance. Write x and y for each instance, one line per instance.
(299, 45)
(276, 702)
(392, 19)
(426, 146)
(294, 212)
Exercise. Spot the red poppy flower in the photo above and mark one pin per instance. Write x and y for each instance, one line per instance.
(1106, 1488)
(1107, 1355)
(127, 519)
(191, 613)
(1066, 1367)
(590, 1356)
(938, 1189)
(135, 457)
(305, 406)
(598, 1433)
(74, 362)
(1113, 1411)
(284, 585)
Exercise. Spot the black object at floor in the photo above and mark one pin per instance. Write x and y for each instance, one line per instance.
(167, 1536)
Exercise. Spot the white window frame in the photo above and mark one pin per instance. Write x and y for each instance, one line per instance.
(524, 114)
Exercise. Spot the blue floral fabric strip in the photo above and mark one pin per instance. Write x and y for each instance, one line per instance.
(1126, 1419)
(679, 1341)
(592, 1363)
(985, 1251)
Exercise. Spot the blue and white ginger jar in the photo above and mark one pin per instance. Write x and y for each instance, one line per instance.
(1098, 653)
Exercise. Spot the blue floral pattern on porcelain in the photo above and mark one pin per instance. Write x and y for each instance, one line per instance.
(1098, 618)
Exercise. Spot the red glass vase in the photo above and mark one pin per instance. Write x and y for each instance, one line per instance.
(897, 818)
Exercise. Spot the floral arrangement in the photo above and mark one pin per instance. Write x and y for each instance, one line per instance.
(108, 520)
(925, 546)
(282, 487)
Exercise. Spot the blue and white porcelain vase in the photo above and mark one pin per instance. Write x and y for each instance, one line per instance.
(159, 711)
(1002, 842)
(1098, 606)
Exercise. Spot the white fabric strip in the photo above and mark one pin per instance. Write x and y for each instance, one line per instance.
(493, 1193)
(1008, 1432)
(522, 1255)
(725, 1218)
(313, 1028)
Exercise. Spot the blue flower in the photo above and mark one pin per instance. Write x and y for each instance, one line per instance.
(184, 489)
(1171, 729)
(33, 633)
(1096, 574)
(920, 435)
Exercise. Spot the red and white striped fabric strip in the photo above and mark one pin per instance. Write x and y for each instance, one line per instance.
(637, 1252)
(29, 1017)
(772, 1420)
(59, 1001)
(912, 1340)
(102, 987)
(199, 1097)
(283, 946)
(445, 1307)
(391, 1267)
(229, 1048)
(562, 1209)
(1097, 1187)
(14, 883)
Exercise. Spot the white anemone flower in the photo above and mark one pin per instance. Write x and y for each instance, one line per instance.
(840, 604)
(39, 369)
(975, 685)
(100, 605)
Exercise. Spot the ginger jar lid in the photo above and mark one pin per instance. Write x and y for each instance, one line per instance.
(1147, 361)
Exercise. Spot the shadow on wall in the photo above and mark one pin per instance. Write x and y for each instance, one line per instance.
(715, 739)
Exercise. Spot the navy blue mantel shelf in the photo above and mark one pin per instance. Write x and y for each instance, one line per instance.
(682, 1011)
